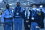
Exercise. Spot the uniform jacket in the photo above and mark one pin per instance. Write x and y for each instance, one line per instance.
(37, 20)
(6, 13)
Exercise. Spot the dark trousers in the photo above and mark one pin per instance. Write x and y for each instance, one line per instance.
(42, 24)
(26, 27)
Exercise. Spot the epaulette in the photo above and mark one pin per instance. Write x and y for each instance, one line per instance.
(3, 11)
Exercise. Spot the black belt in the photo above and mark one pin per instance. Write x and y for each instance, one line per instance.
(7, 18)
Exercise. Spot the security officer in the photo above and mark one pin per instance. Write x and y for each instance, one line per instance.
(26, 14)
(42, 18)
(7, 17)
(39, 18)
(18, 11)
(34, 19)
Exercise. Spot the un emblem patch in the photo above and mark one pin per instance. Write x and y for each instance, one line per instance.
(3, 12)
(39, 13)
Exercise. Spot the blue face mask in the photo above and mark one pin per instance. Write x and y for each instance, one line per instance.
(27, 7)
(33, 8)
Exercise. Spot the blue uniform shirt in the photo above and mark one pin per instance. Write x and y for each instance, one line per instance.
(20, 11)
(34, 14)
(6, 13)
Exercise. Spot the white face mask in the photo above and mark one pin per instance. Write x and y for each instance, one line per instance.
(27, 7)
(33, 8)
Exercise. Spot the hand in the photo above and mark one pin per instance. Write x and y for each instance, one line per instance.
(27, 21)
(29, 26)
(3, 25)
(37, 27)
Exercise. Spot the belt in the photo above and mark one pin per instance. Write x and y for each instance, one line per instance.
(7, 18)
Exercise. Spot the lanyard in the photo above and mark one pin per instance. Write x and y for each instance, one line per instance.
(33, 13)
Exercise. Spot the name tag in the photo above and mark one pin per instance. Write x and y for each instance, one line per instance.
(17, 13)
(32, 18)
(10, 15)
(12, 11)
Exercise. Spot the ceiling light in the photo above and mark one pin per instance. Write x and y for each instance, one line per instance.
(1, 1)
(10, 4)
(41, 6)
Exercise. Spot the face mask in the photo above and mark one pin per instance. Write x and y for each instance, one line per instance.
(33, 8)
(7, 7)
(18, 5)
(27, 7)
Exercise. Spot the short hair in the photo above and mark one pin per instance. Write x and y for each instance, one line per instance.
(34, 5)
(7, 5)
(18, 3)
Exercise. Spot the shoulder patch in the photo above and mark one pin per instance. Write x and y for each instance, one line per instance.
(39, 13)
(3, 12)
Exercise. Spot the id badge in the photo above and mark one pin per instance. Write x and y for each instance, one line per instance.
(32, 18)
(17, 13)
(10, 15)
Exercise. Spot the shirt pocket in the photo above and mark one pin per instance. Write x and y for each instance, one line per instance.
(7, 13)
